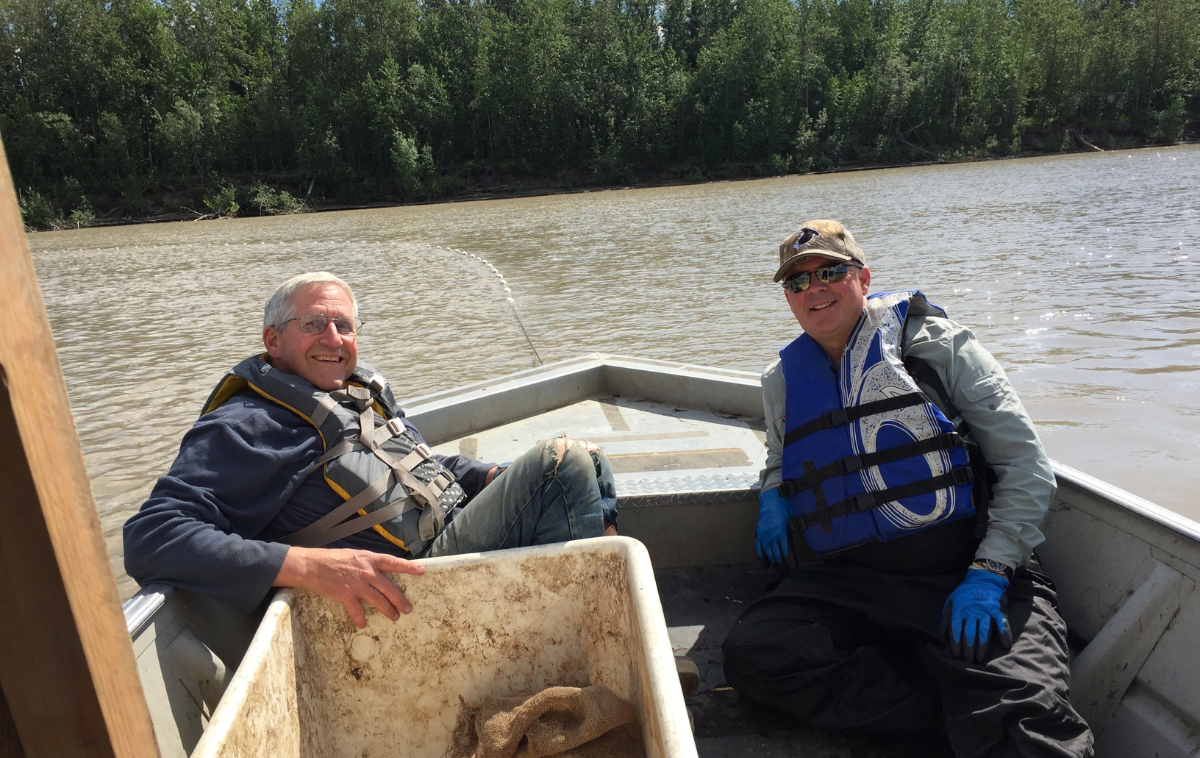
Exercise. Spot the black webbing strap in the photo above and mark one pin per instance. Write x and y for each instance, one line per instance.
(985, 478)
(867, 500)
(852, 463)
(822, 512)
(985, 475)
(846, 415)
(926, 374)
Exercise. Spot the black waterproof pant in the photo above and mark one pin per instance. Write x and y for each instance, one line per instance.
(842, 646)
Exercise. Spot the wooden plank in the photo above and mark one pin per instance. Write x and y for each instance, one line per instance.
(67, 668)
(10, 743)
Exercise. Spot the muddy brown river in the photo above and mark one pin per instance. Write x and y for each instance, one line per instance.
(1079, 272)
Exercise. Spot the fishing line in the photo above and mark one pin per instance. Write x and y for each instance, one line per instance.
(507, 292)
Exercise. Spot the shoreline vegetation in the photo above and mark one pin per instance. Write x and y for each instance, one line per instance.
(129, 111)
(533, 187)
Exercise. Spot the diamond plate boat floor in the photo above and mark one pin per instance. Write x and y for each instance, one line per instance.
(701, 605)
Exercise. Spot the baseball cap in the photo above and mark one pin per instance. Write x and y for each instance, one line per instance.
(822, 237)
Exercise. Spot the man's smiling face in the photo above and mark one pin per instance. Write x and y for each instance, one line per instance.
(829, 312)
(327, 359)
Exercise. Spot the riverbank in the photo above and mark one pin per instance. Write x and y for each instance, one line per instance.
(153, 201)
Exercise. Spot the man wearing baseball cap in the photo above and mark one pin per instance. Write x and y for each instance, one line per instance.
(903, 496)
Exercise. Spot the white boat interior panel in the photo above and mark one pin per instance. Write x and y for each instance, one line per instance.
(644, 440)
(1127, 572)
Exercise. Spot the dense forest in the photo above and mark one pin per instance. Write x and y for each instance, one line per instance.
(119, 109)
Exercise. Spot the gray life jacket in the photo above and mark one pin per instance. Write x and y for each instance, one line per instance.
(382, 471)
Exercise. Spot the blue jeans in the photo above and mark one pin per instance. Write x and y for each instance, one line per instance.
(538, 500)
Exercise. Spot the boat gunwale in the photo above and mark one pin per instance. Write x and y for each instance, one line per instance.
(140, 609)
(1139, 506)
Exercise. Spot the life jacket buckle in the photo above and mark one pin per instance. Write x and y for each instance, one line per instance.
(836, 418)
(376, 383)
(850, 464)
(424, 450)
(863, 501)
(395, 426)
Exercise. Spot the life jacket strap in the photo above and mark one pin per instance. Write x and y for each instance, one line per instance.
(852, 463)
(405, 477)
(866, 500)
(336, 451)
(846, 415)
(324, 406)
(822, 511)
(311, 535)
(360, 396)
(427, 497)
(366, 425)
(371, 440)
(925, 373)
(374, 518)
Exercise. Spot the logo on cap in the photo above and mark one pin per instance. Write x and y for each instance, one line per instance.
(806, 235)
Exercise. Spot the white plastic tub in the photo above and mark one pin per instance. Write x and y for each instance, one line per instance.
(586, 612)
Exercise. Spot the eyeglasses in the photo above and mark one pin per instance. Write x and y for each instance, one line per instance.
(315, 323)
(827, 274)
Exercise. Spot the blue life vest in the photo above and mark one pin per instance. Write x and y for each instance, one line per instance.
(866, 456)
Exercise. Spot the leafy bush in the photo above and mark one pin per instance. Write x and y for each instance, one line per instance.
(223, 204)
(413, 165)
(272, 203)
(38, 212)
(83, 215)
(404, 161)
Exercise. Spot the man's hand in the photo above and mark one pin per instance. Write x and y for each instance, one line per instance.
(971, 610)
(351, 577)
(773, 515)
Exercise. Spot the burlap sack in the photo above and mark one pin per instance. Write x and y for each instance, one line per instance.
(561, 721)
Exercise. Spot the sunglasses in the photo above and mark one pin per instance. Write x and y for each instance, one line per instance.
(827, 274)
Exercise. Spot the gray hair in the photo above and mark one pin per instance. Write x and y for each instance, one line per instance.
(279, 308)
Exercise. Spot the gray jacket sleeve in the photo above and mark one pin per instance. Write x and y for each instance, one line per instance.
(774, 395)
(997, 421)
(999, 424)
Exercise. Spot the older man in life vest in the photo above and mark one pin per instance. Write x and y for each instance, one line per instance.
(304, 472)
(903, 496)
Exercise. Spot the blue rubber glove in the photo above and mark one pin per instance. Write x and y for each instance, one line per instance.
(971, 610)
(771, 537)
